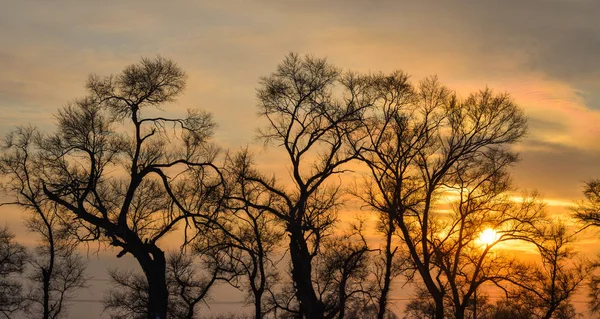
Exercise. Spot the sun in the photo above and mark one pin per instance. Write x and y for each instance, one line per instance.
(488, 236)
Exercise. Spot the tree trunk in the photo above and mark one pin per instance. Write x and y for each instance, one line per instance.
(258, 305)
(550, 312)
(153, 263)
(46, 288)
(459, 313)
(439, 307)
(158, 294)
(342, 301)
(190, 313)
(310, 306)
(47, 272)
(387, 279)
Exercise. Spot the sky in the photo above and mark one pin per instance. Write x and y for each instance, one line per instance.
(546, 54)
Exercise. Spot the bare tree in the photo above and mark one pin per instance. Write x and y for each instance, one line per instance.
(423, 145)
(521, 309)
(390, 261)
(548, 291)
(13, 258)
(246, 236)
(281, 300)
(588, 212)
(311, 124)
(420, 306)
(57, 268)
(594, 293)
(189, 279)
(342, 279)
(191, 276)
(128, 298)
(509, 309)
(342, 275)
(118, 171)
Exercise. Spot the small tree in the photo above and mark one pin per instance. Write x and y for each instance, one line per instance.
(547, 291)
(509, 309)
(128, 298)
(390, 260)
(13, 258)
(245, 236)
(189, 279)
(588, 210)
(57, 268)
(420, 306)
(342, 275)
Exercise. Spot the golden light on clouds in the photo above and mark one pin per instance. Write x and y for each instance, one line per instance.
(545, 58)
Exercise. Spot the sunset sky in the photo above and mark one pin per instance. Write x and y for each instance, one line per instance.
(546, 54)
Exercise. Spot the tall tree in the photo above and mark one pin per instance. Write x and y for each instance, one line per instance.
(118, 171)
(311, 108)
(423, 145)
(13, 258)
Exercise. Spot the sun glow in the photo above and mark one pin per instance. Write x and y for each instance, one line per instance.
(488, 236)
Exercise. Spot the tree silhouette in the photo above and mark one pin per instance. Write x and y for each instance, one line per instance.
(421, 306)
(118, 171)
(437, 177)
(13, 258)
(342, 274)
(548, 290)
(128, 298)
(588, 212)
(389, 262)
(190, 277)
(423, 144)
(57, 268)
(312, 126)
(246, 237)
